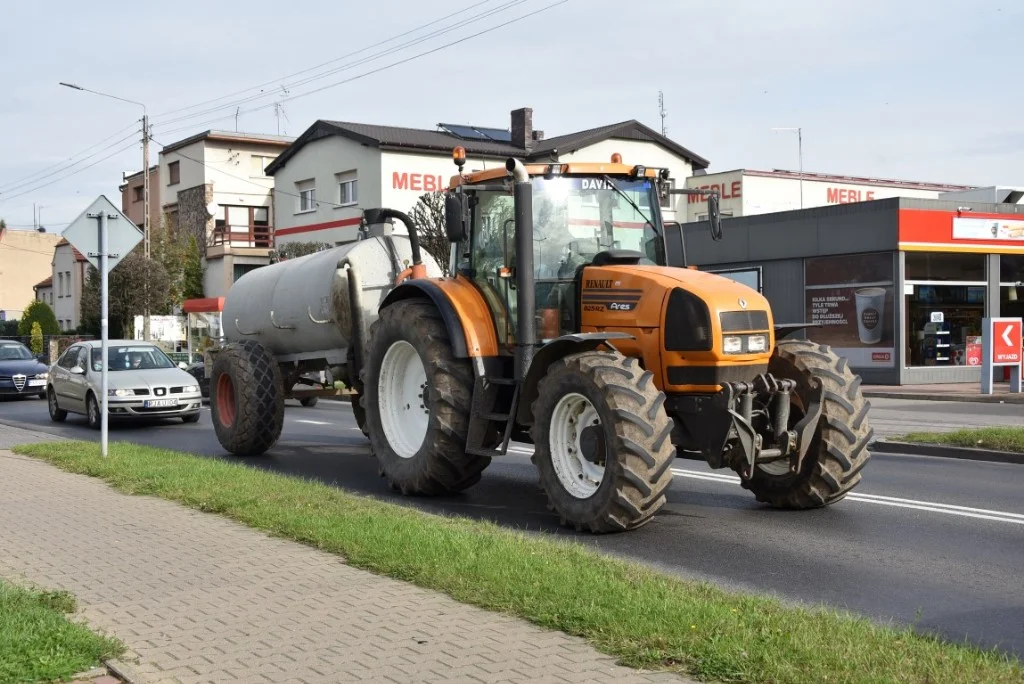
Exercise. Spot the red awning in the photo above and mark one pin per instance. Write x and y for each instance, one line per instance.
(207, 305)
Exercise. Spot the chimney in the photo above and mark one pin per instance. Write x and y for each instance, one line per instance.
(538, 136)
(522, 128)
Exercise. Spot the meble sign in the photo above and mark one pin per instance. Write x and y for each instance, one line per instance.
(417, 182)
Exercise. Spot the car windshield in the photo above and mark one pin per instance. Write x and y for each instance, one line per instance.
(131, 357)
(14, 352)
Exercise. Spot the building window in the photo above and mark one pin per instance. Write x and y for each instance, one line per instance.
(239, 270)
(307, 196)
(67, 279)
(1011, 285)
(348, 188)
(945, 302)
(259, 165)
(137, 195)
(174, 173)
(60, 285)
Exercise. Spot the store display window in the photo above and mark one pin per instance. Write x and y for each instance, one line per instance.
(944, 307)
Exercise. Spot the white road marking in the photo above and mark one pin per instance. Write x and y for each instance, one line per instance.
(913, 504)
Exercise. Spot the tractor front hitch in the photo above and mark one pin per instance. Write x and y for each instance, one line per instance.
(746, 444)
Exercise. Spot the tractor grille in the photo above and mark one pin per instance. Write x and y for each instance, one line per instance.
(714, 375)
(743, 321)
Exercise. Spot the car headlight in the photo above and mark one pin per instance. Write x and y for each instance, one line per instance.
(190, 388)
(42, 376)
(757, 343)
(120, 393)
(732, 344)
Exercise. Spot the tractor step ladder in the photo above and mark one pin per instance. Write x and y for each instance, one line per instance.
(499, 398)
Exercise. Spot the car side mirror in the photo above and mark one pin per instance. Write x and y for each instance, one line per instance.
(182, 365)
(456, 216)
(78, 370)
(42, 358)
(714, 216)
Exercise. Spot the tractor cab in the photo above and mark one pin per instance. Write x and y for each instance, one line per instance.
(582, 214)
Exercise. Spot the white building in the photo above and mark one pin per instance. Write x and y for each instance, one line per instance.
(70, 269)
(214, 186)
(744, 192)
(334, 170)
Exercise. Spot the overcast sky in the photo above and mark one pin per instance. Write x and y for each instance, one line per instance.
(925, 90)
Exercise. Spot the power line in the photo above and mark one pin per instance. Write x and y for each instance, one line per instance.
(262, 95)
(33, 177)
(338, 59)
(379, 69)
(77, 171)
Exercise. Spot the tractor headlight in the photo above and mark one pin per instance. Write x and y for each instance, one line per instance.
(757, 343)
(121, 393)
(732, 344)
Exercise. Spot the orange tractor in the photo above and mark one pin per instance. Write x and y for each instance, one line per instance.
(561, 324)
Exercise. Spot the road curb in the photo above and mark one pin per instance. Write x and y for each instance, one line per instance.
(971, 398)
(943, 451)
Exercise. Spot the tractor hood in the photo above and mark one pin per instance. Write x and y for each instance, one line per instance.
(635, 295)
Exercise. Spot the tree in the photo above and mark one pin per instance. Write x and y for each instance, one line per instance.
(8, 328)
(294, 250)
(192, 286)
(428, 215)
(39, 311)
(37, 338)
(127, 294)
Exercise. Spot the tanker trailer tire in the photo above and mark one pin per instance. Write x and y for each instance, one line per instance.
(838, 451)
(417, 397)
(246, 398)
(602, 442)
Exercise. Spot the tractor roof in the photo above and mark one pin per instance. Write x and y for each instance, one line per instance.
(559, 169)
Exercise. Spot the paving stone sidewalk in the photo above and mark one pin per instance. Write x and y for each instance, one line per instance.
(199, 598)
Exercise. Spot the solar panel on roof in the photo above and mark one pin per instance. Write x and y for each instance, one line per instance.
(464, 132)
(497, 134)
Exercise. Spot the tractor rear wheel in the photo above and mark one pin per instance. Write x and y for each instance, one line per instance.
(838, 450)
(602, 442)
(417, 399)
(246, 398)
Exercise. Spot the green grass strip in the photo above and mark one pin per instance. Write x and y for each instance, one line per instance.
(645, 618)
(995, 438)
(37, 641)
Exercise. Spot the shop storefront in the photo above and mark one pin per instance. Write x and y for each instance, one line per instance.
(898, 286)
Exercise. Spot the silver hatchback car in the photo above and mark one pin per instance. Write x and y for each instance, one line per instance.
(143, 382)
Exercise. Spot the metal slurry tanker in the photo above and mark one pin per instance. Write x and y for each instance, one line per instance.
(304, 318)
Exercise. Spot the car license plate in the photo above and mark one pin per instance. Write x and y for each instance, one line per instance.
(36, 383)
(160, 403)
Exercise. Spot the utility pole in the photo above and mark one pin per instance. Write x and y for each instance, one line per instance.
(145, 187)
(800, 152)
(662, 112)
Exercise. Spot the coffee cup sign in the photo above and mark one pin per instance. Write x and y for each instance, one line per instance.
(870, 312)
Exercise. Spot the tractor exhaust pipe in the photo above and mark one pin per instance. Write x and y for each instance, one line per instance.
(417, 269)
(526, 334)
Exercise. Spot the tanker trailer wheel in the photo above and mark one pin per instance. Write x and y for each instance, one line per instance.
(838, 450)
(246, 398)
(356, 398)
(602, 442)
(417, 400)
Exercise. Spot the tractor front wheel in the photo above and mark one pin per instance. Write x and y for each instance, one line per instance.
(838, 451)
(602, 442)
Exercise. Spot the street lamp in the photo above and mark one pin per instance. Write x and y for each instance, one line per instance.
(800, 151)
(145, 184)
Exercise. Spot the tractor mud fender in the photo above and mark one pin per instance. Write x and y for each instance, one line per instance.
(554, 350)
(427, 289)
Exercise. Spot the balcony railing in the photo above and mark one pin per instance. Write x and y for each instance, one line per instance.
(260, 237)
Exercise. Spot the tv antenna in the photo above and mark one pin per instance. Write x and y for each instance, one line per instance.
(279, 111)
(662, 112)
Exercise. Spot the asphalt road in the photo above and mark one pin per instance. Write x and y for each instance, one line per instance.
(934, 542)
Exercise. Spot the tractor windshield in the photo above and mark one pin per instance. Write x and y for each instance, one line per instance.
(576, 217)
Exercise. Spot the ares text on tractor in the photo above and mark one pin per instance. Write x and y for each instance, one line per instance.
(568, 319)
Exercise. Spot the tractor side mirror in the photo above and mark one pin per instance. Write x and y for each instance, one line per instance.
(714, 216)
(456, 216)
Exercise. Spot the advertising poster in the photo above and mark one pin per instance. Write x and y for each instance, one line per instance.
(852, 300)
(987, 229)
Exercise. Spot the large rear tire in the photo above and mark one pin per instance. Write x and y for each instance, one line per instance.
(838, 450)
(602, 442)
(417, 396)
(246, 398)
